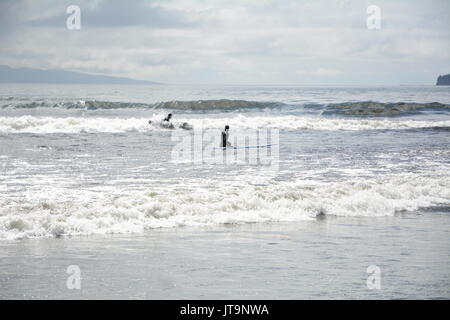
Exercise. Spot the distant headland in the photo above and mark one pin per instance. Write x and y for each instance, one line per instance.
(443, 80)
(28, 75)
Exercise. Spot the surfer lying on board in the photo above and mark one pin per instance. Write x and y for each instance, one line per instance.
(167, 124)
(224, 141)
(169, 116)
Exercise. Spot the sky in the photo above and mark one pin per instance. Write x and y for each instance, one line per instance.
(245, 42)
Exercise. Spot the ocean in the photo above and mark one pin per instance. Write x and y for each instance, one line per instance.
(355, 177)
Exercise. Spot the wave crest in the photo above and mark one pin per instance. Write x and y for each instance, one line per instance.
(360, 108)
(197, 105)
(371, 108)
(60, 211)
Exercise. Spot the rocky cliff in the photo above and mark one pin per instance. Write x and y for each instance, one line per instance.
(443, 80)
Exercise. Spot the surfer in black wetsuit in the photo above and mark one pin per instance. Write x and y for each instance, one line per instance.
(165, 122)
(169, 116)
(224, 138)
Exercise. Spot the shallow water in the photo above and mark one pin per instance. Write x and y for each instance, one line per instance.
(323, 259)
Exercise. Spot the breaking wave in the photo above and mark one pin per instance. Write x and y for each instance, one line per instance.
(371, 108)
(197, 105)
(63, 212)
(31, 124)
(361, 108)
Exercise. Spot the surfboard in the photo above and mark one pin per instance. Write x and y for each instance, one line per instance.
(251, 147)
(247, 147)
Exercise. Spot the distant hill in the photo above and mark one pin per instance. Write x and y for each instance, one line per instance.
(28, 75)
(443, 80)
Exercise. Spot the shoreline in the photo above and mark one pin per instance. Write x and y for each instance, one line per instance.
(322, 259)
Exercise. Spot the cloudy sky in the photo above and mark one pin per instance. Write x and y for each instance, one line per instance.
(279, 42)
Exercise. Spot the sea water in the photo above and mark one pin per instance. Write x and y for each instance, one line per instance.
(82, 165)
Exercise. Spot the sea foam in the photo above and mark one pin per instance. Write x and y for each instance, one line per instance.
(45, 125)
(58, 211)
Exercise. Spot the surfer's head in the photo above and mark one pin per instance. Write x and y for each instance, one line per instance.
(169, 116)
(227, 127)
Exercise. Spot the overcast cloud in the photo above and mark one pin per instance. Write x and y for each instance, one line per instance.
(233, 42)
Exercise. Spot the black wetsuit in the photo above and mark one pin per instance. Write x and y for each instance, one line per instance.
(224, 139)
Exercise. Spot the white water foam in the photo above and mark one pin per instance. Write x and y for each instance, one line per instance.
(44, 125)
(59, 211)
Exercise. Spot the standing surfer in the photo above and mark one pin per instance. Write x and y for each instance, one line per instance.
(224, 141)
